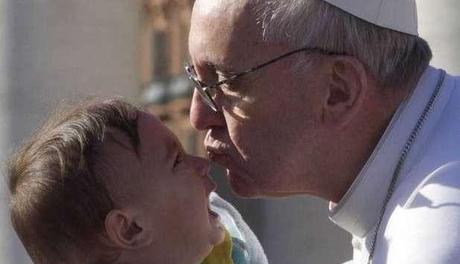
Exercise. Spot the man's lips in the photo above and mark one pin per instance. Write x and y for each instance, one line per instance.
(215, 146)
(218, 155)
(216, 149)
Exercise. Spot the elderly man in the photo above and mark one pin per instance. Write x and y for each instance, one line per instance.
(334, 99)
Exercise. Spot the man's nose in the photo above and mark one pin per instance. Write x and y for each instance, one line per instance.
(202, 117)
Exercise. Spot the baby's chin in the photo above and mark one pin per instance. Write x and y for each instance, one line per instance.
(217, 230)
(217, 235)
(218, 246)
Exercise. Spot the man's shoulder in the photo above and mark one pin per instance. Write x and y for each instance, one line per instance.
(425, 228)
(439, 188)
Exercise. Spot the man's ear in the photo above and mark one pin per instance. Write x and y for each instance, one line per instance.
(124, 229)
(347, 84)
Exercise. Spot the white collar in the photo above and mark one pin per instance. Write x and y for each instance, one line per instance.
(359, 209)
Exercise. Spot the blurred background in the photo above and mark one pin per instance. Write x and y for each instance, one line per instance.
(52, 50)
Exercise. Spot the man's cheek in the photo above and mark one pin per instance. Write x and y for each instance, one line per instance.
(237, 111)
(245, 142)
(239, 106)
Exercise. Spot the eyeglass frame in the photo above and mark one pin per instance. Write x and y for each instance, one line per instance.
(204, 89)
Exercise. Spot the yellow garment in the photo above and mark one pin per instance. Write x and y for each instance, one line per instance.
(222, 253)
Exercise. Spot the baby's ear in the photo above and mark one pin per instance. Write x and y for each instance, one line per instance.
(123, 229)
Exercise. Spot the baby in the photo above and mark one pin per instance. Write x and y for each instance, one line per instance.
(107, 183)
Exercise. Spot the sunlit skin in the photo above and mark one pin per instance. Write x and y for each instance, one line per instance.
(282, 132)
(161, 213)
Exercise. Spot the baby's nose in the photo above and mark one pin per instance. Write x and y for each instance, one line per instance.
(200, 165)
(203, 167)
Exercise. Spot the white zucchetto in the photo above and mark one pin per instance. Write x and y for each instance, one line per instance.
(399, 15)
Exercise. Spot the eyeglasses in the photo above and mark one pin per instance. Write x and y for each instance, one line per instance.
(207, 92)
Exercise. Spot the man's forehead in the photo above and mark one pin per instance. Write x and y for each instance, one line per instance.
(216, 18)
(217, 7)
(220, 28)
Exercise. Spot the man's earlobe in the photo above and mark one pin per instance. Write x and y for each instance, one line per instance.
(123, 229)
(346, 90)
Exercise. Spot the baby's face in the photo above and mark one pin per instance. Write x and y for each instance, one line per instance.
(171, 194)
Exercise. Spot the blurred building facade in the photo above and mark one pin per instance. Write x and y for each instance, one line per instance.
(57, 50)
(53, 50)
(163, 52)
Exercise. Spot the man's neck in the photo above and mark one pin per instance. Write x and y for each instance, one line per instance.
(358, 141)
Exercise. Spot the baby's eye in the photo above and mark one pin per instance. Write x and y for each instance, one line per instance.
(179, 159)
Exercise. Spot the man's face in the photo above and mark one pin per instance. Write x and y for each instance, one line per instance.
(169, 189)
(264, 132)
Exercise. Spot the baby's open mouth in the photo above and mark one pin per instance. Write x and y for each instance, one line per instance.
(212, 213)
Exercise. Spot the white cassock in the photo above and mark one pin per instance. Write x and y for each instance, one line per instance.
(421, 223)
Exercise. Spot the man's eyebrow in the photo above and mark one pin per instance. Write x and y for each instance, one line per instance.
(222, 69)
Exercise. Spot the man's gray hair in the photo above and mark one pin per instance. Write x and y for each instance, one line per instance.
(391, 57)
